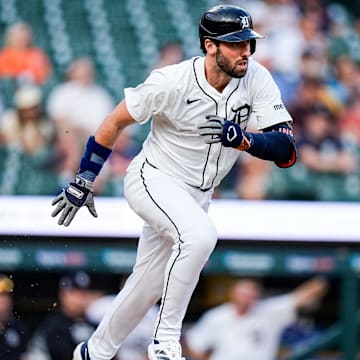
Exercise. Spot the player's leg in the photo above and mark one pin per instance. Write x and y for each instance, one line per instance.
(141, 290)
(194, 241)
(187, 239)
(179, 214)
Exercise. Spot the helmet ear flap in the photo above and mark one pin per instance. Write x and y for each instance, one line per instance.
(252, 46)
(202, 44)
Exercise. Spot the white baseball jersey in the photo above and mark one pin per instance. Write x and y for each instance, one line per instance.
(178, 97)
(254, 336)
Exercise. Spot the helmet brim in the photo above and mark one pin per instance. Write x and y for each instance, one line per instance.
(238, 36)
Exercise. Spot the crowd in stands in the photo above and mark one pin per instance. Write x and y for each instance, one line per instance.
(312, 49)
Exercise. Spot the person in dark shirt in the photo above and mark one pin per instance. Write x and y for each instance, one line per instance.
(61, 330)
(320, 146)
(13, 333)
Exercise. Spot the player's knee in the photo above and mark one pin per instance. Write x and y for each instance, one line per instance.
(200, 241)
(155, 292)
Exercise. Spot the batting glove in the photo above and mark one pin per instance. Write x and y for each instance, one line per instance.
(77, 194)
(217, 129)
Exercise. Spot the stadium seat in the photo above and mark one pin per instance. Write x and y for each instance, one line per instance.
(21, 174)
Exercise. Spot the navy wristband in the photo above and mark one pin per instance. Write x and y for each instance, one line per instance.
(87, 165)
(93, 158)
(92, 147)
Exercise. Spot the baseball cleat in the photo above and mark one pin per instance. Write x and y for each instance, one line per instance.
(169, 350)
(81, 352)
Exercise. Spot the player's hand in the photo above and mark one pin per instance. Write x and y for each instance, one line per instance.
(217, 129)
(77, 194)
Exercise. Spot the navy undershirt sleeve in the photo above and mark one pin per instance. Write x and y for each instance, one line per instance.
(274, 144)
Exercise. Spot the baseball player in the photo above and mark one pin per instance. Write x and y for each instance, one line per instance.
(199, 109)
(251, 326)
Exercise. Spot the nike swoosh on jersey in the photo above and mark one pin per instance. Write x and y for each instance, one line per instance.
(190, 101)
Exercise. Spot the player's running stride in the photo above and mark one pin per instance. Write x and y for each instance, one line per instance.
(199, 110)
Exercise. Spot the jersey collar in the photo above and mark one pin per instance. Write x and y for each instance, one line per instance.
(199, 66)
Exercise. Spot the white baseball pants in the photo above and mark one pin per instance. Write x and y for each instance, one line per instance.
(176, 241)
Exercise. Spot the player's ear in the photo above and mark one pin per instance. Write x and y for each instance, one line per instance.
(210, 46)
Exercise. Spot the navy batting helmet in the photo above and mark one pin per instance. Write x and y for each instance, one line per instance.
(227, 23)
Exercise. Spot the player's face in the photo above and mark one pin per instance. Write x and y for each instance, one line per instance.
(232, 58)
(244, 295)
(75, 301)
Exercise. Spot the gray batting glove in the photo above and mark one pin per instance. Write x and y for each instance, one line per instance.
(217, 129)
(77, 194)
(212, 129)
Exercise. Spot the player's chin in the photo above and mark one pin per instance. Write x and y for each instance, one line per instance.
(239, 73)
(239, 69)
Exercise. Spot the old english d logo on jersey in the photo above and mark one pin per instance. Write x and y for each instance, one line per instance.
(240, 114)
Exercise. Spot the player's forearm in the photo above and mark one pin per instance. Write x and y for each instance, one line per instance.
(310, 291)
(98, 147)
(112, 126)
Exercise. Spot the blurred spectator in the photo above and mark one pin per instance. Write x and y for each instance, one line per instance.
(79, 104)
(344, 33)
(345, 84)
(2, 109)
(77, 107)
(350, 123)
(316, 8)
(170, 53)
(248, 327)
(135, 345)
(311, 93)
(320, 147)
(313, 38)
(252, 179)
(61, 330)
(280, 21)
(25, 124)
(27, 146)
(21, 59)
(298, 33)
(328, 160)
(13, 333)
(311, 66)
